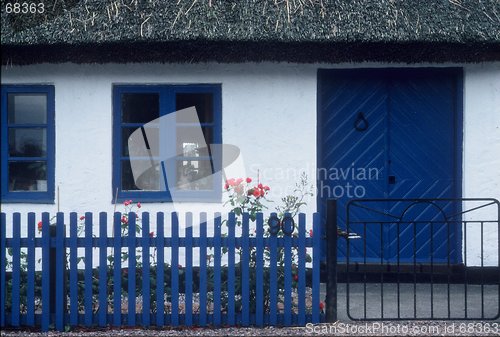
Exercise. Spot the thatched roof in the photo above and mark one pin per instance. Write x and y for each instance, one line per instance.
(254, 30)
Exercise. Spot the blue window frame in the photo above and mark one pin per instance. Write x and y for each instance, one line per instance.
(27, 143)
(191, 169)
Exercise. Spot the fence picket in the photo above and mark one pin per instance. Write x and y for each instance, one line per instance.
(160, 269)
(288, 275)
(259, 273)
(217, 270)
(46, 308)
(88, 279)
(188, 271)
(273, 278)
(73, 272)
(16, 268)
(103, 269)
(30, 286)
(132, 261)
(245, 273)
(3, 252)
(203, 270)
(316, 269)
(230, 273)
(146, 270)
(60, 285)
(174, 270)
(301, 266)
(117, 272)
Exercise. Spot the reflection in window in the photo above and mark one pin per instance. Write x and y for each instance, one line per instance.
(175, 148)
(29, 148)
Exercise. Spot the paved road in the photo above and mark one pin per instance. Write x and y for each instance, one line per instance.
(420, 300)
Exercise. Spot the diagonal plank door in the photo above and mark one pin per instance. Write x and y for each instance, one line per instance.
(390, 133)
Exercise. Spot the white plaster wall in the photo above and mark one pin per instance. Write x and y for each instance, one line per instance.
(269, 111)
(481, 156)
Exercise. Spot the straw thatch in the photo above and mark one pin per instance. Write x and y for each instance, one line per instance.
(254, 30)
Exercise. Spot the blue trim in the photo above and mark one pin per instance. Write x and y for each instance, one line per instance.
(167, 105)
(31, 196)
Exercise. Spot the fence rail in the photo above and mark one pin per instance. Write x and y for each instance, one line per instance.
(136, 280)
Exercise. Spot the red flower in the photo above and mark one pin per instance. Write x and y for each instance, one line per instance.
(138, 205)
(82, 217)
(126, 202)
(321, 306)
(311, 233)
(151, 234)
(39, 225)
(124, 219)
(260, 186)
(295, 277)
(256, 193)
(266, 188)
(226, 186)
(249, 180)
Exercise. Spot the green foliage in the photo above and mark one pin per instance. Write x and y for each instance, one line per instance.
(243, 199)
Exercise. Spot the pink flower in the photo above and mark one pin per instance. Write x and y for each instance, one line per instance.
(266, 188)
(226, 186)
(256, 193)
(138, 205)
(249, 180)
(82, 217)
(124, 219)
(311, 233)
(238, 189)
(231, 182)
(126, 202)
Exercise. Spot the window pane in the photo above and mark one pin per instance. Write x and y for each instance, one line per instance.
(193, 142)
(27, 108)
(140, 108)
(27, 142)
(202, 102)
(27, 176)
(194, 175)
(149, 179)
(152, 136)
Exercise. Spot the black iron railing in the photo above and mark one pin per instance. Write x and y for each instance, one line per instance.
(422, 259)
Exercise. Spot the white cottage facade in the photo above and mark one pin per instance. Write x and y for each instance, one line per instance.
(383, 99)
(268, 110)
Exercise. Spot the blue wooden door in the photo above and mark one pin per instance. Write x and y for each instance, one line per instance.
(391, 133)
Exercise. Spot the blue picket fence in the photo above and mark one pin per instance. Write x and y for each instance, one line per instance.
(250, 278)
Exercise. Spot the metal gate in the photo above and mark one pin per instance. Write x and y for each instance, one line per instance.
(427, 287)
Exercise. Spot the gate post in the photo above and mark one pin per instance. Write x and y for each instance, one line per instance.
(331, 260)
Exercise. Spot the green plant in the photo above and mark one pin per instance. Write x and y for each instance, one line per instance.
(245, 197)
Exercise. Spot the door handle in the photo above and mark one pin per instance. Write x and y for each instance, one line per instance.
(392, 180)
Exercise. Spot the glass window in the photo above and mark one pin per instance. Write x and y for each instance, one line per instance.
(162, 142)
(28, 144)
